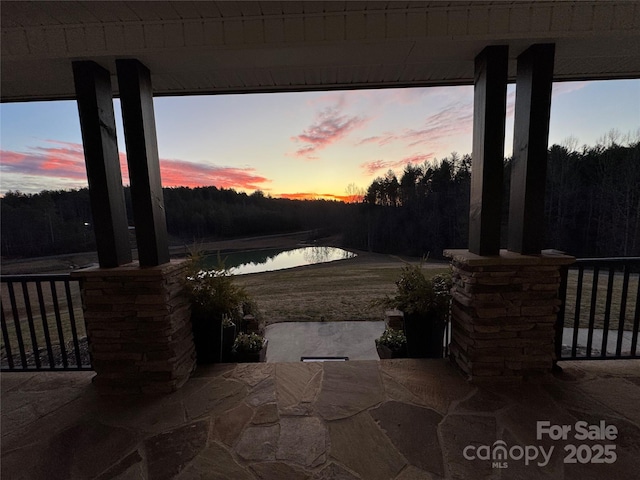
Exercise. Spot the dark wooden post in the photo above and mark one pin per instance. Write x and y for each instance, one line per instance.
(489, 111)
(98, 126)
(530, 143)
(136, 98)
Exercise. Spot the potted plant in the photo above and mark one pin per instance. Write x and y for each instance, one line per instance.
(213, 297)
(249, 347)
(392, 344)
(252, 318)
(228, 337)
(425, 303)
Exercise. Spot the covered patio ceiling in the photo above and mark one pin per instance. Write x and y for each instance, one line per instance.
(235, 47)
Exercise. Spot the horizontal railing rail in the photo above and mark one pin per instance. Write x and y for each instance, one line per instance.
(600, 313)
(42, 324)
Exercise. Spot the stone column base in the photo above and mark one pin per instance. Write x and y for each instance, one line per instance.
(139, 328)
(503, 313)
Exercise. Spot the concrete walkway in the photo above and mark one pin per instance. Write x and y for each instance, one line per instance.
(289, 341)
(371, 420)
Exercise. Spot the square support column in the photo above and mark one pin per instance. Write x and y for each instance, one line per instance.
(489, 112)
(530, 143)
(98, 126)
(139, 328)
(503, 313)
(136, 96)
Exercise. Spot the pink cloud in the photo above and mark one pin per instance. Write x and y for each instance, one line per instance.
(371, 168)
(417, 158)
(381, 140)
(561, 88)
(330, 126)
(67, 162)
(452, 120)
(54, 162)
(373, 139)
(177, 173)
(124, 167)
(10, 158)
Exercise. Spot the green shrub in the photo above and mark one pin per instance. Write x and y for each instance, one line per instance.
(213, 293)
(248, 343)
(392, 339)
(419, 294)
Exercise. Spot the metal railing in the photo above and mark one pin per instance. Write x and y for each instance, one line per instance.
(42, 324)
(600, 312)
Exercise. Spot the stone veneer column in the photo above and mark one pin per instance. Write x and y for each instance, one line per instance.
(139, 328)
(503, 313)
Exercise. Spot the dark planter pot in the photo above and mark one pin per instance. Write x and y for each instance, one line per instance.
(252, 357)
(425, 335)
(228, 336)
(385, 352)
(207, 337)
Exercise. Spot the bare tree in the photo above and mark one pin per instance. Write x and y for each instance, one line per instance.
(354, 194)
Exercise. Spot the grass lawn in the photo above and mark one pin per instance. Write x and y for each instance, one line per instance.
(342, 290)
(601, 300)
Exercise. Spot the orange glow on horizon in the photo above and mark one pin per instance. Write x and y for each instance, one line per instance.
(321, 196)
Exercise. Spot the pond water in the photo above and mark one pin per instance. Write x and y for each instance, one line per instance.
(256, 261)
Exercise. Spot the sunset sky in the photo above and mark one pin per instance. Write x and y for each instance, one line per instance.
(297, 145)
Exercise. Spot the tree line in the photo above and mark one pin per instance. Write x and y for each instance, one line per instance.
(421, 213)
(592, 208)
(54, 222)
(592, 204)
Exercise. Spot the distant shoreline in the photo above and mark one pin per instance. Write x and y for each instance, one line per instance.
(68, 262)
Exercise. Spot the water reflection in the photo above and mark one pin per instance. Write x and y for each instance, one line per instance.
(241, 263)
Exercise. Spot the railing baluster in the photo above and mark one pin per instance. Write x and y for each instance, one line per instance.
(564, 273)
(45, 324)
(56, 310)
(32, 328)
(5, 336)
(607, 313)
(592, 311)
(72, 320)
(16, 322)
(636, 322)
(446, 336)
(623, 310)
(42, 331)
(576, 316)
(628, 323)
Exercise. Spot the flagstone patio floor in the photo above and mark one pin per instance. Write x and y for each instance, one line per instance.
(394, 419)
